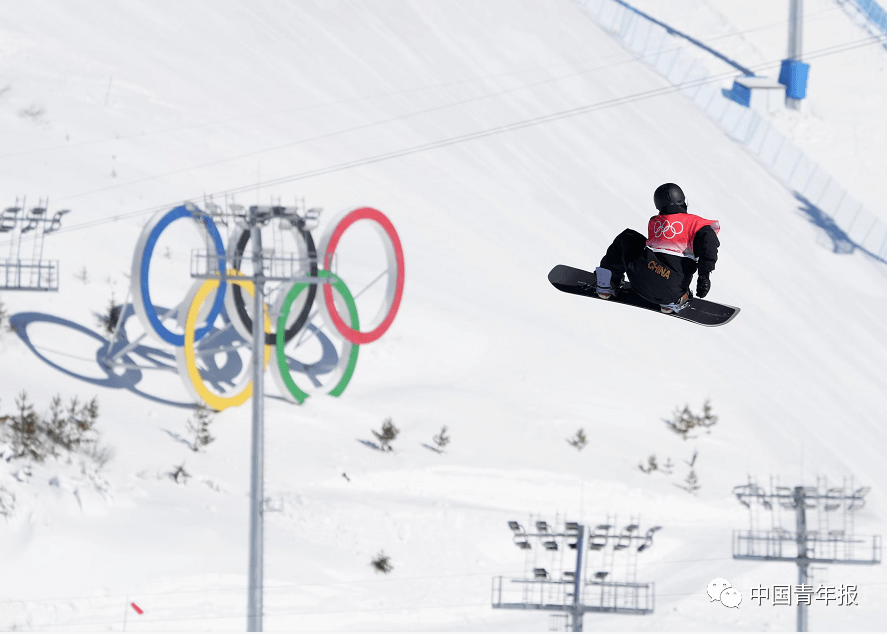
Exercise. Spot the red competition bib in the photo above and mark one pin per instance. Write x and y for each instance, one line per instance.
(674, 233)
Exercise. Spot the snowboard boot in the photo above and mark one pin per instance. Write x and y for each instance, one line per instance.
(607, 283)
(668, 309)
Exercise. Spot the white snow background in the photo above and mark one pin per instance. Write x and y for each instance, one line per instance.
(137, 106)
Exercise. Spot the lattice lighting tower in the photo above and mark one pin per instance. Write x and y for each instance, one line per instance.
(34, 274)
(807, 544)
(585, 588)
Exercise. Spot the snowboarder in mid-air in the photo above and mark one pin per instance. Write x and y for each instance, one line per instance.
(660, 266)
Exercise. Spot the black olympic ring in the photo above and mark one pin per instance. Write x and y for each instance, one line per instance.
(240, 304)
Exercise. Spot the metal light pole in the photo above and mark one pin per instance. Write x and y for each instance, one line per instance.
(795, 49)
(292, 270)
(256, 488)
(803, 561)
(577, 586)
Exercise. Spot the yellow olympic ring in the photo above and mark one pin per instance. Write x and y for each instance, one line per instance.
(215, 401)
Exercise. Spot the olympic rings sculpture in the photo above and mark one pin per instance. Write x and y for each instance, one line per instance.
(210, 299)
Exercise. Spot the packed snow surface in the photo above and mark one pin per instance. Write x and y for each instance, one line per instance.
(119, 110)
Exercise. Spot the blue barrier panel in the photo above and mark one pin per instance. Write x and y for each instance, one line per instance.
(741, 94)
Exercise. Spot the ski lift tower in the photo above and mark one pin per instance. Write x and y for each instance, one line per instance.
(35, 273)
(586, 588)
(811, 542)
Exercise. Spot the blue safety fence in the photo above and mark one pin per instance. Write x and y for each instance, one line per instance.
(873, 11)
(656, 44)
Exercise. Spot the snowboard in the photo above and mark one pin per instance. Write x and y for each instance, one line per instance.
(699, 311)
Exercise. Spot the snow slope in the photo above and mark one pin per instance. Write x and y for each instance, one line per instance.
(146, 104)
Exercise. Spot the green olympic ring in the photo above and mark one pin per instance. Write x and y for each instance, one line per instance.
(282, 365)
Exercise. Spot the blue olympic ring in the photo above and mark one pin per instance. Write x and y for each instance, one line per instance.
(164, 333)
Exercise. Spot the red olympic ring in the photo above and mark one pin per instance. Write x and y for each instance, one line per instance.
(364, 213)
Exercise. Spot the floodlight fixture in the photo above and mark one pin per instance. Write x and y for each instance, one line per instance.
(648, 538)
(598, 539)
(857, 500)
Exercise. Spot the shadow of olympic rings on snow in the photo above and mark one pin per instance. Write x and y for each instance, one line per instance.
(127, 380)
(219, 375)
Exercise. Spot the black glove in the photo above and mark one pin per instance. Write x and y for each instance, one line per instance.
(703, 286)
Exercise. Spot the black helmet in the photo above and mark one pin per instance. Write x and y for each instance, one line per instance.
(667, 196)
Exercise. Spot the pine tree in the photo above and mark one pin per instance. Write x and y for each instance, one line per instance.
(108, 320)
(26, 432)
(382, 563)
(707, 419)
(684, 421)
(60, 429)
(441, 440)
(389, 433)
(180, 475)
(652, 465)
(72, 427)
(691, 483)
(579, 440)
(198, 426)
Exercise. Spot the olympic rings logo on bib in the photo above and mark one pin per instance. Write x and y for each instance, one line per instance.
(663, 229)
(208, 300)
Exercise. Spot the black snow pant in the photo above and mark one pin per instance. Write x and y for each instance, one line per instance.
(627, 247)
(659, 278)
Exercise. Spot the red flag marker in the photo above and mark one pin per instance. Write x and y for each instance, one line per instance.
(137, 608)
